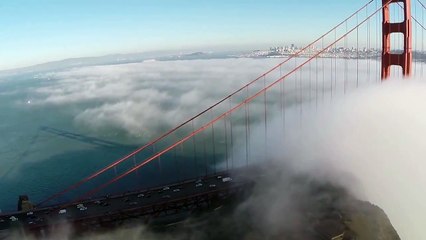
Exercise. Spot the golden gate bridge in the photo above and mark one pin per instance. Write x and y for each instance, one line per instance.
(226, 137)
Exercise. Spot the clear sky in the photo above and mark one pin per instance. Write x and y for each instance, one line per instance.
(37, 31)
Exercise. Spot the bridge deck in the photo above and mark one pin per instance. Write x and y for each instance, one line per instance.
(128, 202)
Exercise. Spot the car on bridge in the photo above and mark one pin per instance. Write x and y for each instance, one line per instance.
(226, 179)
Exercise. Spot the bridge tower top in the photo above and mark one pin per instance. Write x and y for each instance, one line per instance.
(389, 58)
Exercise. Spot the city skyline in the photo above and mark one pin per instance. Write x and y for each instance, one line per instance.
(43, 31)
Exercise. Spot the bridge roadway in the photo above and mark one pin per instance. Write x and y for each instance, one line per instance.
(106, 205)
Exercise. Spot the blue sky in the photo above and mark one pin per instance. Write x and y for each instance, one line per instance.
(37, 31)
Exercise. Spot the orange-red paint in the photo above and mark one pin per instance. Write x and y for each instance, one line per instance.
(404, 59)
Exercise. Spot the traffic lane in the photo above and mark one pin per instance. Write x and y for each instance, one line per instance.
(117, 203)
(120, 203)
(161, 195)
(174, 199)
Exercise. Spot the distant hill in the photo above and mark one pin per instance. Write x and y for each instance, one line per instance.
(112, 60)
(85, 61)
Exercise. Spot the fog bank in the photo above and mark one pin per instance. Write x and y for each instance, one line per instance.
(372, 141)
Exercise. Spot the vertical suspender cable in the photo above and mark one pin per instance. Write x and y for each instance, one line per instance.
(377, 45)
(214, 148)
(205, 154)
(194, 148)
(266, 121)
(134, 163)
(316, 82)
(310, 81)
(357, 52)
(301, 92)
(226, 142)
(247, 131)
(423, 40)
(176, 161)
(231, 133)
(345, 79)
(331, 51)
(282, 108)
(335, 59)
(368, 46)
(415, 41)
(323, 71)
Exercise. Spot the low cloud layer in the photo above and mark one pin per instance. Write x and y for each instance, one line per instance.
(141, 98)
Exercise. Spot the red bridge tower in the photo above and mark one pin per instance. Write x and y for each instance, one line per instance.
(404, 59)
